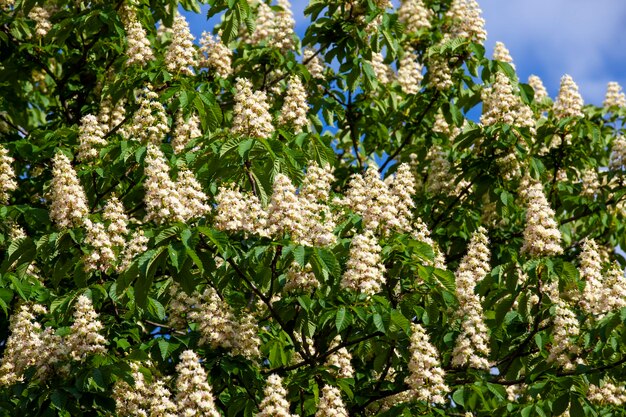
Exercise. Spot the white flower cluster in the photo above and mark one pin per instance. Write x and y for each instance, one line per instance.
(382, 70)
(300, 279)
(150, 124)
(502, 54)
(167, 200)
(615, 97)
(135, 246)
(7, 176)
(85, 338)
(313, 64)
(138, 48)
(615, 288)
(194, 395)
(364, 270)
(382, 205)
(274, 28)
(590, 268)
(181, 54)
(467, 21)
(426, 377)
(414, 15)
(591, 183)
(564, 328)
(618, 154)
(340, 361)
(215, 56)
(440, 180)
(569, 102)
(41, 16)
(30, 346)
(331, 404)
(440, 125)
(439, 73)
(7, 5)
(90, 138)
(471, 346)
(537, 85)
(541, 234)
(238, 211)
(502, 105)
(101, 255)
(185, 131)
(111, 115)
(410, 73)
(68, 202)
(217, 323)
(607, 394)
(274, 403)
(510, 167)
(251, 112)
(294, 111)
(117, 228)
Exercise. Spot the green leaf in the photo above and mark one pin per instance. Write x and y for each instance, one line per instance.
(343, 319)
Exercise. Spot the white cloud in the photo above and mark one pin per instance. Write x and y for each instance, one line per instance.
(555, 37)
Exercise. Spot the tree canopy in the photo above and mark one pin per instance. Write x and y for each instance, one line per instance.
(379, 218)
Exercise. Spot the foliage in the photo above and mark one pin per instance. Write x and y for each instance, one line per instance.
(469, 176)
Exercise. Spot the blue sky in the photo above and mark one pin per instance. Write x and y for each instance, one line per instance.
(548, 38)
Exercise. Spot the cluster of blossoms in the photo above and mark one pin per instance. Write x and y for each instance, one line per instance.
(414, 15)
(28, 345)
(300, 279)
(381, 205)
(440, 178)
(239, 211)
(439, 72)
(251, 112)
(305, 216)
(591, 183)
(110, 115)
(138, 49)
(215, 56)
(364, 270)
(383, 71)
(502, 54)
(502, 105)
(41, 16)
(185, 131)
(217, 323)
(7, 175)
(314, 64)
(569, 102)
(426, 377)
(68, 200)
(565, 329)
(440, 125)
(150, 124)
(181, 54)
(467, 21)
(541, 234)
(194, 395)
(540, 90)
(341, 360)
(617, 158)
(295, 108)
(615, 97)
(275, 28)
(90, 138)
(603, 292)
(607, 394)
(275, 402)
(331, 404)
(471, 346)
(107, 240)
(410, 73)
(167, 200)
